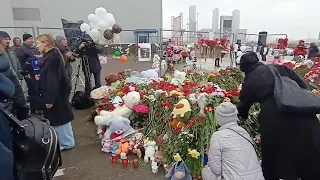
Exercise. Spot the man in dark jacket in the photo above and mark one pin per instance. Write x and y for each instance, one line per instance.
(6, 149)
(290, 142)
(16, 43)
(313, 51)
(20, 106)
(91, 51)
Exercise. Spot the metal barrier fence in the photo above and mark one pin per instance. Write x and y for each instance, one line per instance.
(18, 31)
(251, 39)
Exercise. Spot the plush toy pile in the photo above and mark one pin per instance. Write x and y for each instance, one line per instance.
(166, 123)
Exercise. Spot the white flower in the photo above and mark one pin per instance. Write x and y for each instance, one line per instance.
(177, 157)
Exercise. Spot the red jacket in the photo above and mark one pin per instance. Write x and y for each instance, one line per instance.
(300, 49)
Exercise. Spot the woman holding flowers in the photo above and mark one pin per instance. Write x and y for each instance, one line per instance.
(290, 142)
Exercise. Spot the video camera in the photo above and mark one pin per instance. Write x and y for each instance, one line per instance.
(88, 42)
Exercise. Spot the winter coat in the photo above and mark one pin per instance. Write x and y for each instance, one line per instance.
(6, 148)
(14, 62)
(313, 51)
(18, 97)
(300, 49)
(54, 89)
(232, 156)
(24, 52)
(67, 61)
(290, 142)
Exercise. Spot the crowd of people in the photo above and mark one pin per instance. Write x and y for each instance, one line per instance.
(46, 69)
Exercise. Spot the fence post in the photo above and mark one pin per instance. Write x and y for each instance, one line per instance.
(161, 51)
(33, 32)
(37, 29)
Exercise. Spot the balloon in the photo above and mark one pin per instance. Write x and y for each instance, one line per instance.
(117, 54)
(110, 20)
(190, 57)
(100, 12)
(116, 29)
(84, 27)
(102, 25)
(123, 58)
(108, 34)
(93, 26)
(93, 18)
(94, 34)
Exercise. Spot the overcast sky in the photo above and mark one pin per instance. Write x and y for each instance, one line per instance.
(297, 18)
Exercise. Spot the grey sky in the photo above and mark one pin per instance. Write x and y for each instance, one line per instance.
(297, 18)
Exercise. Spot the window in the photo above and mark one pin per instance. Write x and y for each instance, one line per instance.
(26, 14)
(143, 39)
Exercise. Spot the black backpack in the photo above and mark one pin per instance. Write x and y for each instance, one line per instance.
(81, 100)
(35, 146)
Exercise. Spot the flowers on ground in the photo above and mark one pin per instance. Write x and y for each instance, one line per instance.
(141, 108)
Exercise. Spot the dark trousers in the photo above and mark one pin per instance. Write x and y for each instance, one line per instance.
(36, 102)
(217, 62)
(264, 58)
(97, 82)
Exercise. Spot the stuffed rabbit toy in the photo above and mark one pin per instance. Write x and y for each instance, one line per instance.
(179, 171)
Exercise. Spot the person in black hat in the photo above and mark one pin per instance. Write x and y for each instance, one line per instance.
(290, 142)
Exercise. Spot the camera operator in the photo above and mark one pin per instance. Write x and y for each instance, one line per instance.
(62, 45)
(87, 48)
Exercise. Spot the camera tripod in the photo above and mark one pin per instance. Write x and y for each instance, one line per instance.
(86, 71)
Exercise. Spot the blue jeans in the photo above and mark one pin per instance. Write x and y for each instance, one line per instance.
(65, 136)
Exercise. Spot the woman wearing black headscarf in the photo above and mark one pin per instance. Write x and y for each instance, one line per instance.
(290, 142)
(313, 51)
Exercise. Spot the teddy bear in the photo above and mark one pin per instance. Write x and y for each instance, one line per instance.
(150, 73)
(160, 157)
(110, 147)
(150, 150)
(113, 77)
(131, 99)
(177, 53)
(156, 62)
(118, 129)
(123, 147)
(179, 77)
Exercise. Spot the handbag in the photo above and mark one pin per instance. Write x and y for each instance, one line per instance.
(291, 98)
(35, 146)
(81, 100)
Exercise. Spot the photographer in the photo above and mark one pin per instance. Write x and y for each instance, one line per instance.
(62, 45)
(88, 49)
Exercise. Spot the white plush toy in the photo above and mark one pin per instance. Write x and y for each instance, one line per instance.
(150, 150)
(179, 77)
(150, 73)
(131, 99)
(156, 62)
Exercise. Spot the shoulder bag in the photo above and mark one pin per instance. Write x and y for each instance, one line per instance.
(291, 98)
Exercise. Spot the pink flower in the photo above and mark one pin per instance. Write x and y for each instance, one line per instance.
(141, 108)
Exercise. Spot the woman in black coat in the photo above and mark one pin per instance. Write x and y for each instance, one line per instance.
(290, 142)
(54, 91)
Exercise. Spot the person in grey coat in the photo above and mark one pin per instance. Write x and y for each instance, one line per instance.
(62, 45)
(231, 154)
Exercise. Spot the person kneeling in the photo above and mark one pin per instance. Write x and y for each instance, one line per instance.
(231, 154)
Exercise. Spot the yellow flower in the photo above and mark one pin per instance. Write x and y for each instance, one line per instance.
(176, 92)
(194, 153)
(119, 93)
(212, 75)
(177, 157)
(314, 91)
(125, 83)
(168, 77)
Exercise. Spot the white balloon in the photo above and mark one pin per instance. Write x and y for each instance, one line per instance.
(93, 25)
(110, 20)
(94, 34)
(100, 12)
(93, 18)
(84, 27)
(102, 25)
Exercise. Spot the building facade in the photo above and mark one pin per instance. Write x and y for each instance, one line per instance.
(192, 23)
(235, 20)
(130, 15)
(215, 20)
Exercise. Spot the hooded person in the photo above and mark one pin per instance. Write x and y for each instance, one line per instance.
(231, 154)
(300, 49)
(7, 90)
(62, 44)
(313, 51)
(290, 142)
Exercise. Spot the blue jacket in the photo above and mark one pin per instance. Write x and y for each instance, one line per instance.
(7, 90)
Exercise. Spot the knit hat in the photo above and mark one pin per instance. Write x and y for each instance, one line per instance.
(4, 34)
(226, 113)
(59, 38)
(249, 61)
(26, 36)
